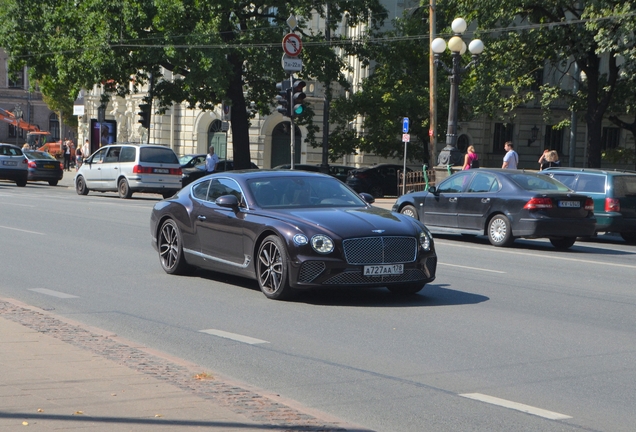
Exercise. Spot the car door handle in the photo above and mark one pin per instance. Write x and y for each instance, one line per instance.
(485, 200)
(201, 217)
(452, 200)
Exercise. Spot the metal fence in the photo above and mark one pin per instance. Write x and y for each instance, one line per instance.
(416, 181)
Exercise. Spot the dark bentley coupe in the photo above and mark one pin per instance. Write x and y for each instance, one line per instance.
(503, 204)
(290, 231)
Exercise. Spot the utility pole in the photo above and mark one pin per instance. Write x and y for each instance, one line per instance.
(432, 77)
(324, 167)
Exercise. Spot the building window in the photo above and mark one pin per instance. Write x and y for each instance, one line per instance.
(554, 139)
(16, 79)
(503, 133)
(463, 142)
(54, 127)
(610, 139)
(538, 80)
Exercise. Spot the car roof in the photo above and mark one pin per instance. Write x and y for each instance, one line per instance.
(10, 145)
(591, 171)
(270, 173)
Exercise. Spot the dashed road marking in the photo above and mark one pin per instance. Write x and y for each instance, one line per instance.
(53, 293)
(233, 336)
(516, 406)
(21, 230)
(471, 268)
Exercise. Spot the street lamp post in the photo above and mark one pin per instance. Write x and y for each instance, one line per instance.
(450, 155)
(18, 115)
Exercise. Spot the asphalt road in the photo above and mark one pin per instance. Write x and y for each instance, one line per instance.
(523, 338)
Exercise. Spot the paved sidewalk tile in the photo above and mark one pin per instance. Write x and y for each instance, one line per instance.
(56, 374)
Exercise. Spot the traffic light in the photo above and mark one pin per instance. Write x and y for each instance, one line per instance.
(283, 98)
(144, 115)
(298, 96)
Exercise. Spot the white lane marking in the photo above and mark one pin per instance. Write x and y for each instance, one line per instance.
(21, 230)
(509, 252)
(516, 406)
(19, 205)
(233, 336)
(53, 293)
(470, 268)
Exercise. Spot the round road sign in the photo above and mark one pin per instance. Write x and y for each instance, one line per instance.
(292, 44)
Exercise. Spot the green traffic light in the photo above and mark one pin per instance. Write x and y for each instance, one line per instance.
(299, 109)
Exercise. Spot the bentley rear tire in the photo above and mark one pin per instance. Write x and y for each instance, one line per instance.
(170, 245)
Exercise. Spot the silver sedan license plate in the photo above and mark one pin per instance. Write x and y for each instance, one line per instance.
(575, 204)
(10, 163)
(385, 269)
(161, 171)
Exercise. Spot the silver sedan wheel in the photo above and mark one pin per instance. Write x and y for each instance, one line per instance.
(499, 232)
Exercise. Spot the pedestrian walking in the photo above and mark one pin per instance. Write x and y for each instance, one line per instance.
(211, 160)
(511, 159)
(66, 152)
(471, 160)
(86, 149)
(79, 159)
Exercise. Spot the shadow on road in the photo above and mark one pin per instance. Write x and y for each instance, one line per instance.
(431, 295)
(581, 246)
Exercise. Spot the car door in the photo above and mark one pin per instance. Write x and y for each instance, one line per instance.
(92, 169)
(474, 204)
(220, 229)
(110, 168)
(440, 208)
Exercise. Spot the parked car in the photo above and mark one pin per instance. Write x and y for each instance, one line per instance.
(44, 167)
(192, 160)
(613, 192)
(191, 173)
(378, 180)
(129, 168)
(338, 171)
(504, 205)
(291, 230)
(13, 164)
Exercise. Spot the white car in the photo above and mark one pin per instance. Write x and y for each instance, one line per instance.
(13, 165)
(128, 168)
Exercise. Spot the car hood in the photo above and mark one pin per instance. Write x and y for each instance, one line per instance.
(353, 222)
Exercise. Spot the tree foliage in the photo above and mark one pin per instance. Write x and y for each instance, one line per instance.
(522, 37)
(215, 50)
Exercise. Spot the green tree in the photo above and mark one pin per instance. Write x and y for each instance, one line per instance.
(522, 37)
(397, 87)
(216, 50)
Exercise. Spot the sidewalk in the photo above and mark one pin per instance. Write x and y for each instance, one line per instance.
(61, 375)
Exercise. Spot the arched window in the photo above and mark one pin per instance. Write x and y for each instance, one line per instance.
(281, 139)
(217, 137)
(463, 142)
(54, 127)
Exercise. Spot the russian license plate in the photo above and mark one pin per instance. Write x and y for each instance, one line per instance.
(10, 163)
(385, 269)
(161, 170)
(575, 204)
(49, 166)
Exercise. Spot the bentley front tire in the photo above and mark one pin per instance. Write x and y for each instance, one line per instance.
(272, 269)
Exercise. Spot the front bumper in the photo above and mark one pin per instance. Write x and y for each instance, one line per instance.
(313, 273)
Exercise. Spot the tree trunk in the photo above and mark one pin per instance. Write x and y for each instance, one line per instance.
(238, 110)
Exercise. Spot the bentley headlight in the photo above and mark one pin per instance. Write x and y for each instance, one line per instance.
(425, 241)
(322, 244)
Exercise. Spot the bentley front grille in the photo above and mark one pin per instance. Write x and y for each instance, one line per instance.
(380, 250)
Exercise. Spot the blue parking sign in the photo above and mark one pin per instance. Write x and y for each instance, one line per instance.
(405, 125)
